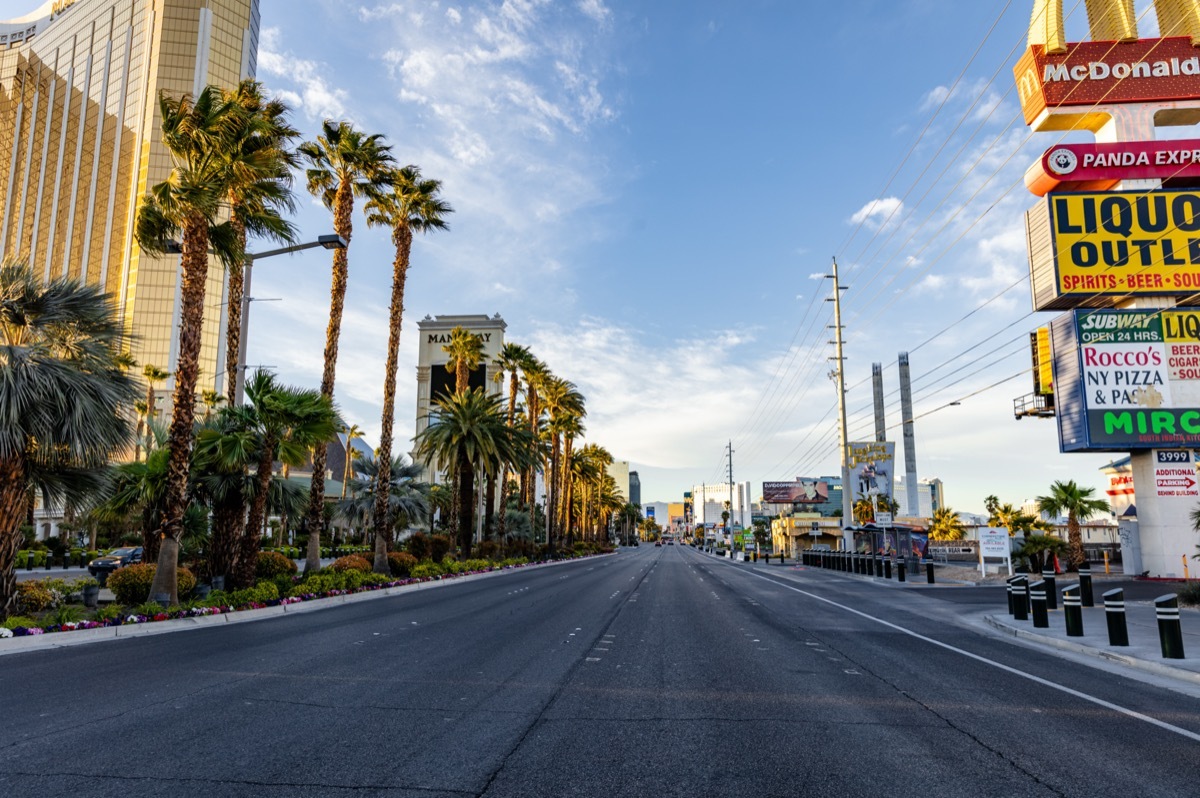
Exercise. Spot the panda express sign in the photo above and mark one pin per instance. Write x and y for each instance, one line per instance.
(1107, 73)
(1098, 167)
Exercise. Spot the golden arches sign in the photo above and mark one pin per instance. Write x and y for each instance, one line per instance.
(1112, 20)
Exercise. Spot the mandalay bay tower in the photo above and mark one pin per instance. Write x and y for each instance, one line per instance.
(79, 144)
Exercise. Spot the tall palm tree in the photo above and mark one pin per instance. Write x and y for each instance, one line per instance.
(467, 429)
(352, 433)
(945, 525)
(508, 362)
(1077, 504)
(289, 421)
(149, 410)
(62, 390)
(343, 164)
(570, 425)
(465, 351)
(256, 199)
(211, 399)
(562, 401)
(411, 205)
(535, 374)
(200, 136)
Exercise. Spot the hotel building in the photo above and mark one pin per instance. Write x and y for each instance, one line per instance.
(79, 144)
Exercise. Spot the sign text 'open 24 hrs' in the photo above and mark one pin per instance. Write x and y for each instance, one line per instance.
(1129, 379)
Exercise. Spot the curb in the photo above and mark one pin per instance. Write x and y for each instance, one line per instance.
(20, 645)
(1158, 669)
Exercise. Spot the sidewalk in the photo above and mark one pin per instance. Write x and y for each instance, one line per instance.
(1144, 651)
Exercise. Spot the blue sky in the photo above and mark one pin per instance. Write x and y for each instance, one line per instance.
(645, 191)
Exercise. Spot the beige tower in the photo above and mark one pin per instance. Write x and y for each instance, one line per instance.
(79, 143)
(433, 379)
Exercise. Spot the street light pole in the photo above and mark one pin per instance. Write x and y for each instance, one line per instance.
(847, 494)
(237, 391)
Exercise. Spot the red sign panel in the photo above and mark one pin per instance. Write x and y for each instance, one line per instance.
(1099, 167)
(1108, 73)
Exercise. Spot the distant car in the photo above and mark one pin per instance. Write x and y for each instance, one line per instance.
(658, 543)
(101, 567)
(670, 543)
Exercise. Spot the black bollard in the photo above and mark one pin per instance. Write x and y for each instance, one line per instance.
(1072, 611)
(781, 558)
(1048, 578)
(1114, 615)
(900, 570)
(887, 568)
(1020, 592)
(756, 555)
(66, 560)
(1085, 584)
(1009, 584)
(878, 566)
(1170, 634)
(929, 573)
(1037, 605)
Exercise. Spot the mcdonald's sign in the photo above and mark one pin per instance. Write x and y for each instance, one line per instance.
(1115, 67)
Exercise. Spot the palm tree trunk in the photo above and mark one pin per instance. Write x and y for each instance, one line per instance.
(466, 487)
(552, 489)
(1075, 555)
(342, 225)
(195, 274)
(13, 502)
(233, 326)
(402, 237)
(223, 549)
(489, 505)
(248, 556)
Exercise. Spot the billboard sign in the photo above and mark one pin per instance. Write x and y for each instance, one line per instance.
(1127, 379)
(871, 468)
(1098, 167)
(1175, 474)
(1108, 73)
(799, 491)
(1084, 245)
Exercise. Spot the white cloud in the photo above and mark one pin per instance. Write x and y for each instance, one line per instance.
(595, 9)
(315, 97)
(879, 213)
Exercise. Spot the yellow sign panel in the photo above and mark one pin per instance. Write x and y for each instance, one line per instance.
(1126, 242)
(1043, 372)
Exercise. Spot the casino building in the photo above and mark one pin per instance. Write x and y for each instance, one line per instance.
(79, 84)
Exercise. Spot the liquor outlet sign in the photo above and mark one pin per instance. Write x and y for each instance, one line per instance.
(1107, 73)
(1084, 245)
(1132, 379)
(1098, 167)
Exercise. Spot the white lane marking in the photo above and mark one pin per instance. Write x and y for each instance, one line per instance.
(593, 659)
(1132, 713)
(599, 649)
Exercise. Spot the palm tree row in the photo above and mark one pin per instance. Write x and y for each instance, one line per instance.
(474, 435)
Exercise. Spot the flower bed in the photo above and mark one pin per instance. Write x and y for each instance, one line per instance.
(222, 604)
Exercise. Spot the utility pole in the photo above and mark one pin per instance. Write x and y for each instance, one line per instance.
(729, 521)
(839, 374)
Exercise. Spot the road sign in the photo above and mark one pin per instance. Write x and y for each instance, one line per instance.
(883, 519)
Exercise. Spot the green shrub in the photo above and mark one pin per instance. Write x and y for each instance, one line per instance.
(1189, 594)
(272, 564)
(109, 612)
(439, 547)
(376, 579)
(131, 584)
(147, 608)
(259, 594)
(351, 562)
(34, 597)
(427, 569)
(476, 565)
(418, 546)
(91, 554)
(65, 614)
(489, 549)
(19, 620)
(186, 581)
(314, 583)
(401, 563)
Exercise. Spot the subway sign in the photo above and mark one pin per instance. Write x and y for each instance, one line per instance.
(1127, 379)
(1087, 245)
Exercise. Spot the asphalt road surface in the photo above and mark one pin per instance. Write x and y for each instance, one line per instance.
(653, 672)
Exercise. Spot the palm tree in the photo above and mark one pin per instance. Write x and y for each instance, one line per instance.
(289, 422)
(1077, 504)
(864, 512)
(343, 164)
(465, 351)
(255, 198)
(509, 361)
(535, 373)
(211, 399)
(408, 497)
(62, 391)
(467, 429)
(200, 135)
(562, 401)
(412, 205)
(148, 410)
(945, 525)
(352, 433)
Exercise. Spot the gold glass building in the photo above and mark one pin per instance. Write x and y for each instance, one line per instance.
(79, 143)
